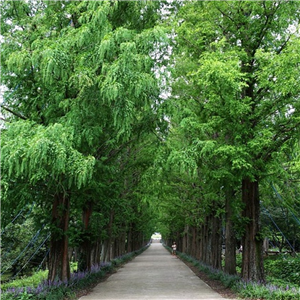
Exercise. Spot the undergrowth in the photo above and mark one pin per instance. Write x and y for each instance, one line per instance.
(38, 288)
(275, 289)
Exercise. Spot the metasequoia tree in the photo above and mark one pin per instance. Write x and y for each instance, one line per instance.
(236, 72)
(280, 210)
(191, 198)
(84, 67)
(44, 158)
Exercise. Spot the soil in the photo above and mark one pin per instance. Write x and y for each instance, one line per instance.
(216, 285)
(84, 292)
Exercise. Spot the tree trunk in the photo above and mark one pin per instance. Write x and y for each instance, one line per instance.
(59, 267)
(203, 241)
(104, 251)
(85, 255)
(106, 248)
(206, 241)
(129, 239)
(230, 249)
(252, 261)
(198, 248)
(96, 252)
(184, 247)
(194, 242)
(216, 243)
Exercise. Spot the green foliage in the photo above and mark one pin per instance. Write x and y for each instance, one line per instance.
(268, 292)
(23, 246)
(231, 117)
(41, 153)
(239, 263)
(36, 288)
(283, 280)
(87, 76)
(28, 281)
(251, 290)
(81, 77)
(228, 281)
(284, 267)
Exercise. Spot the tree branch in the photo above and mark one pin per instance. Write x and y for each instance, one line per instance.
(14, 113)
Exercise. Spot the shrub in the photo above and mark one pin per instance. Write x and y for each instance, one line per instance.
(255, 290)
(227, 280)
(284, 267)
(32, 281)
(59, 290)
(252, 290)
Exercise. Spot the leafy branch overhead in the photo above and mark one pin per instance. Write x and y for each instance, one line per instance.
(44, 153)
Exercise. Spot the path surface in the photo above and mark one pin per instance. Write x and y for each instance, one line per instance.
(155, 274)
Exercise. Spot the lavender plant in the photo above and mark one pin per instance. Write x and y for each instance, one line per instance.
(58, 290)
(249, 289)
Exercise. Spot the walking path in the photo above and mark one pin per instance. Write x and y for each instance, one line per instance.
(155, 274)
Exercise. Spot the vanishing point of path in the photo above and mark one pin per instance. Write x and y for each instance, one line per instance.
(155, 274)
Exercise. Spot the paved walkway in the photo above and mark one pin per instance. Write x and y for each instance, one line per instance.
(155, 274)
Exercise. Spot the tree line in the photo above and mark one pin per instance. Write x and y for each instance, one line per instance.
(82, 104)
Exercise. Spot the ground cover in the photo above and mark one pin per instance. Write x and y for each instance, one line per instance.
(283, 280)
(216, 285)
(36, 287)
(282, 276)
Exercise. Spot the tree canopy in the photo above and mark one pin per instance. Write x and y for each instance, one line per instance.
(80, 77)
(237, 98)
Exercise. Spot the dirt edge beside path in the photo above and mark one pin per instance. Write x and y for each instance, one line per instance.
(216, 285)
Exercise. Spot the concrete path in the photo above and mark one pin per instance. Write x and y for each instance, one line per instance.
(155, 274)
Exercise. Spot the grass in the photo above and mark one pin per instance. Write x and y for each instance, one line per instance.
(275, 289)
(38, 288)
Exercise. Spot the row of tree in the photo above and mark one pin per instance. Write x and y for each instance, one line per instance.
(81, 117)
(121, 113)
(235, 124)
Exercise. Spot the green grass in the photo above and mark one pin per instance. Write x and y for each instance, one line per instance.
(28, 281)
(35, 287)
(284, 284)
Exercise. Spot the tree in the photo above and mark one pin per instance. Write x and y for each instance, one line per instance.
(237, 64)
(82, 73)
(22, 244)
(280, 210)
(44, 158)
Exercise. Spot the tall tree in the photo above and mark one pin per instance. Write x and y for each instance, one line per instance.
(44, 158)
(85, 68)
(237, 63)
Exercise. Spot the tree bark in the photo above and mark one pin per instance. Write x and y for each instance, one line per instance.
(129, 239)
(230, 248)
(194, 242)
(216, 243)
(206, 241)
(198, 248)
(106, 248)
(96, 252)
(105, 251)
(85, 255)
(252, 242)
(59, 267)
